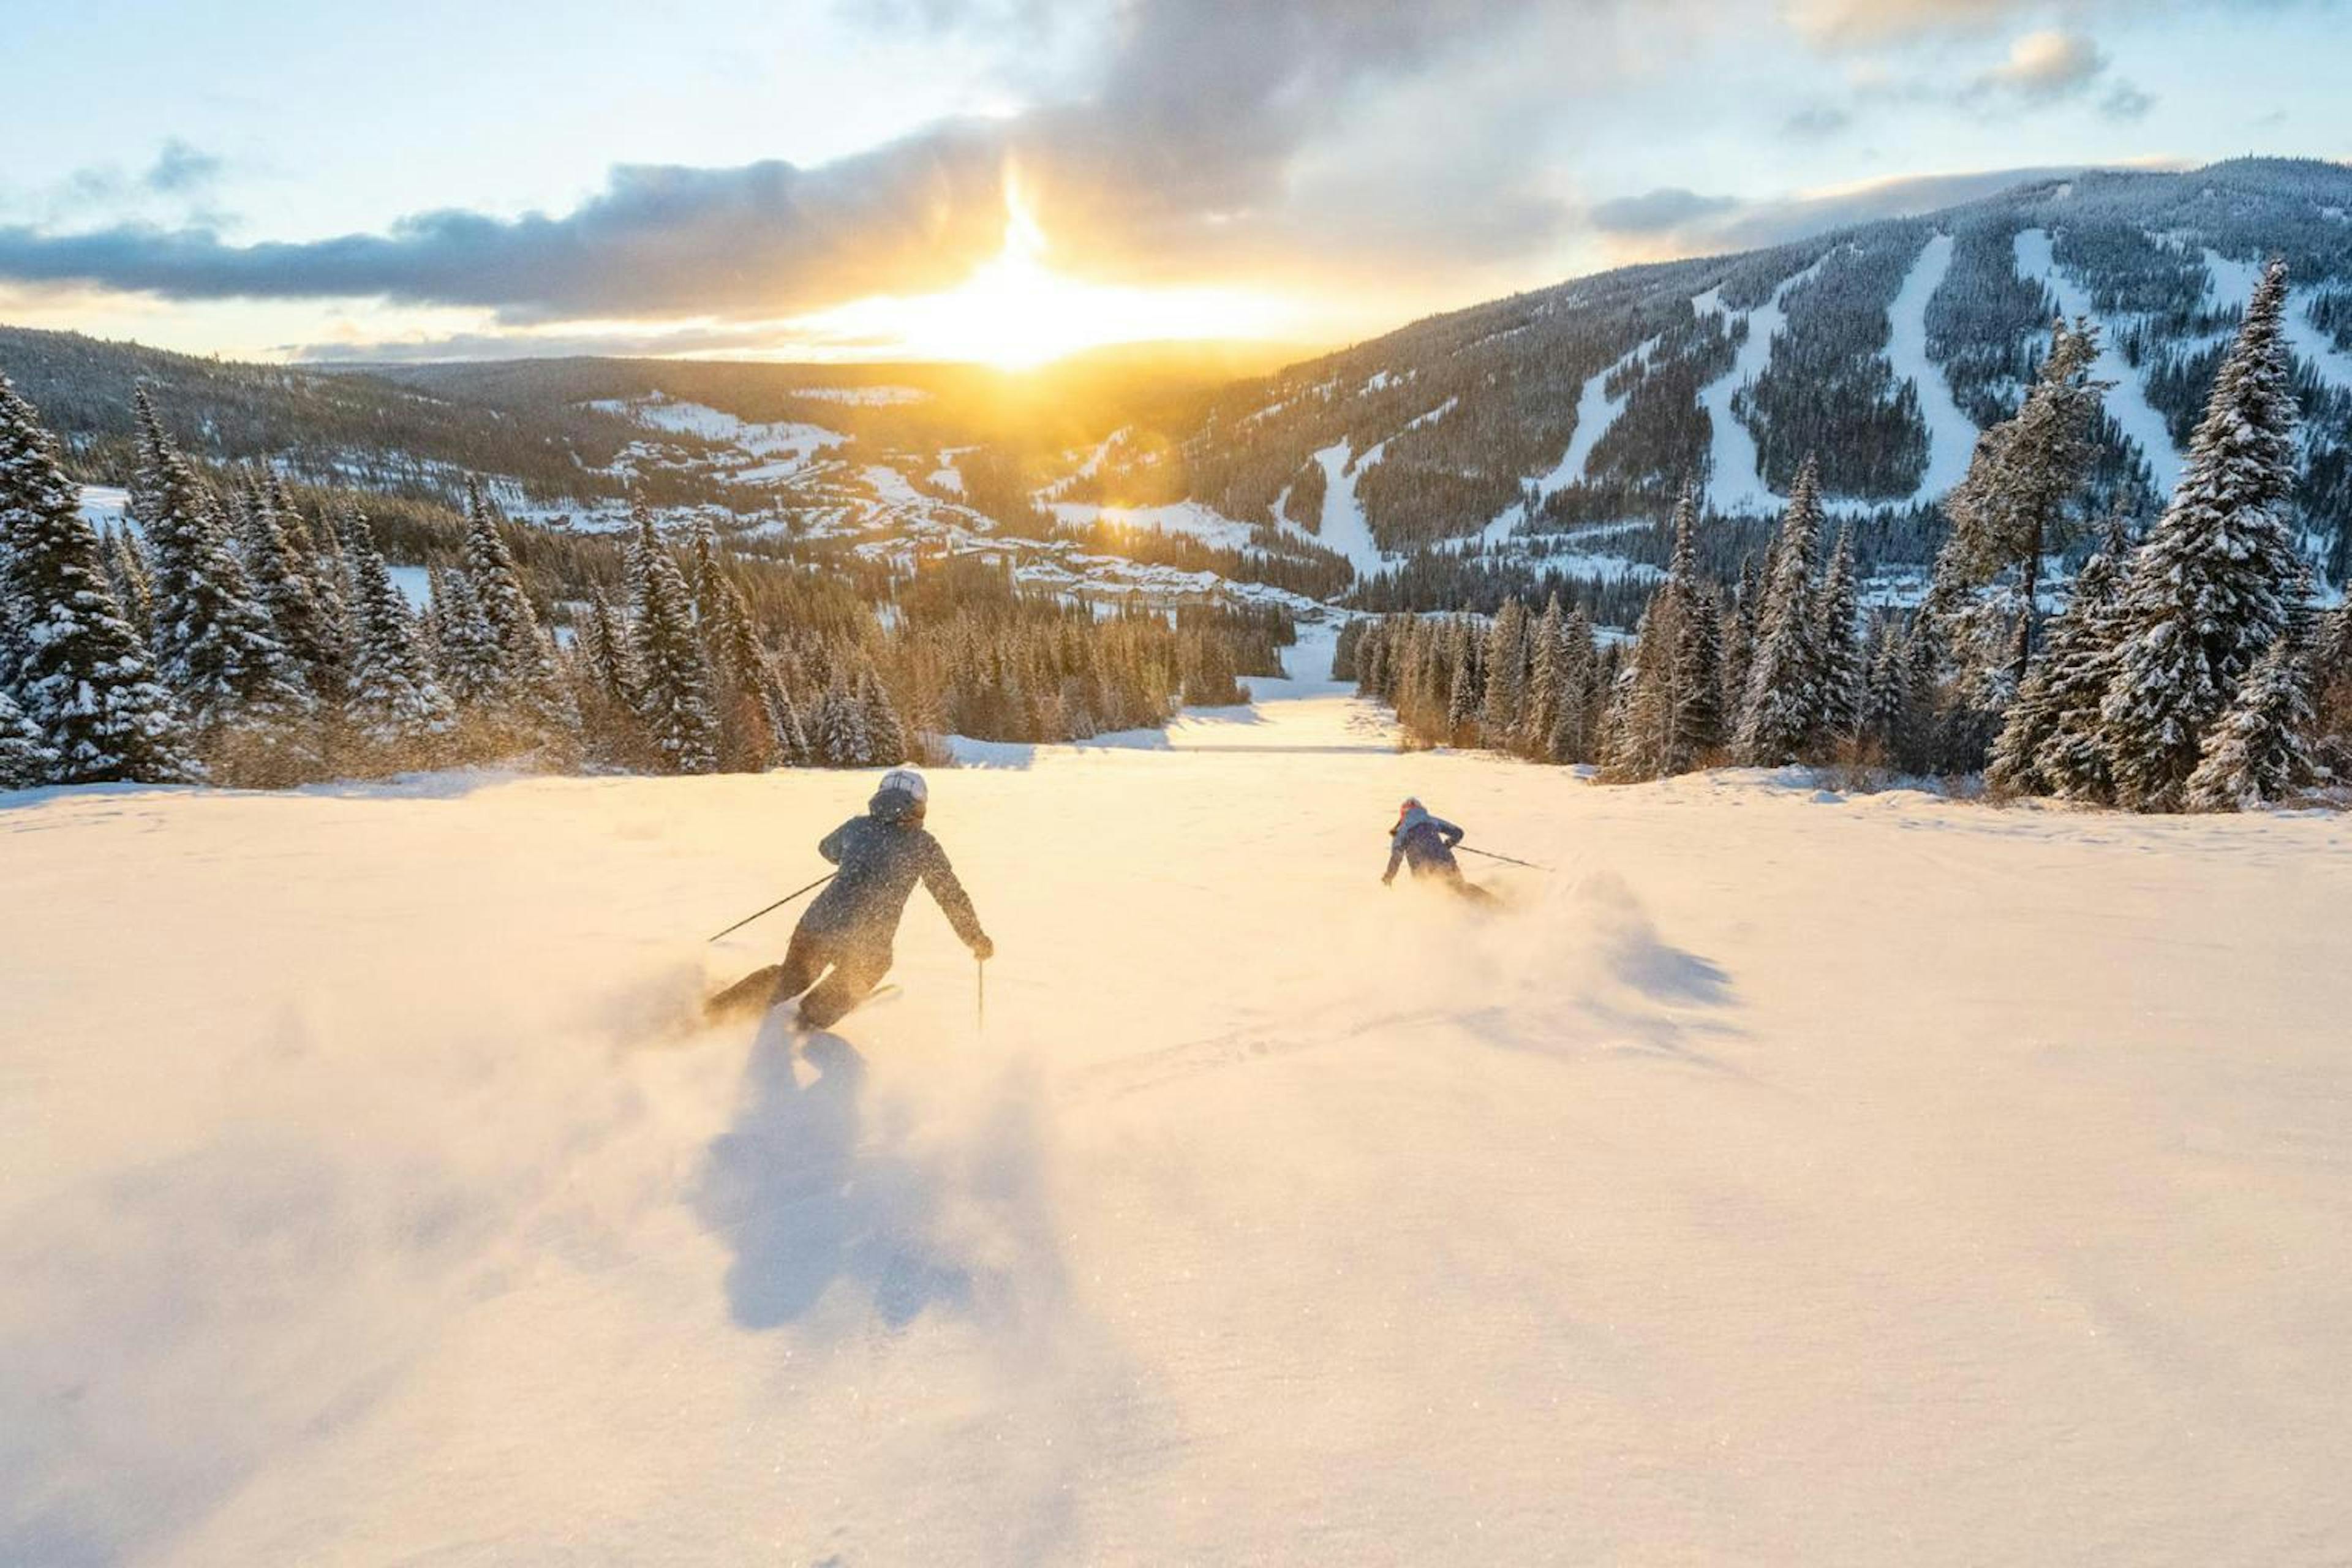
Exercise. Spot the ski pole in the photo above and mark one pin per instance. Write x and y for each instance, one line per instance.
(980, 994)
(1505, 858)
(779, 904)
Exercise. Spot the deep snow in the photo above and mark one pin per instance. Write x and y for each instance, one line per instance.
(1790, 1179)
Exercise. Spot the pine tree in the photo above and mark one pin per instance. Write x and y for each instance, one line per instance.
(397, 709)
(2210, 588)
(79, 673)
(675, 686)
(2260, 752)
(1639, 726)
(126, 568)
(1506, 675)
(1697, 682)
(533, 698)
(1547, 683)
(26, 757)
(1464, 690)
(1572, 738)
(1838, 635)
(840, 727)
(248, 711)
(791, 738)
(1882, 708)
(471, 666)
(2050, 741)
(885, 737)
(283, 580)
(1784, 702)
(2013, 508)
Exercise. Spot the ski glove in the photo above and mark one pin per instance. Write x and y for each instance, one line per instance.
(982, 949)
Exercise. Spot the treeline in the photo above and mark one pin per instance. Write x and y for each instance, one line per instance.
(977, 656)
(231, 638)
(2188, 670)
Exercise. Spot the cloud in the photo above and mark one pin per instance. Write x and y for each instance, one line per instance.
(1657, 211)
(1816, 123)
(180, 169)
(1854, 24)
(2046, 65)
(2124, 101)
(1180, 152)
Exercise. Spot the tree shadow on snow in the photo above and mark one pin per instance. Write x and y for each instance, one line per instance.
(816, 1187)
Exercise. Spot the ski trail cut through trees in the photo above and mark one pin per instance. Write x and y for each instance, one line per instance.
(1596, 412)
(2127, 403)
(2229, 284)
(1951, 435)
(1735, 469)
(1344, 527)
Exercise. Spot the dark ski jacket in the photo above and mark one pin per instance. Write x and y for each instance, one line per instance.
(1424, 842)
(882, 856)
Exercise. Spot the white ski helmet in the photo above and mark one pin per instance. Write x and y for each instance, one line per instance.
(909, 781)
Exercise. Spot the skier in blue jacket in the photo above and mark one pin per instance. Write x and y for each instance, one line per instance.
(1425, 844)
(842, 947)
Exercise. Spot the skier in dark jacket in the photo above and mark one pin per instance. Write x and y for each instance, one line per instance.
(842, 947)
(1425, 844)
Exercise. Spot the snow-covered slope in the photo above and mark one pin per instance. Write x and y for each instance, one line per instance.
(1786, 1180)
(1917, 333)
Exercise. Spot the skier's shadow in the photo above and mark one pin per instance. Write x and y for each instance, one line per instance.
(801, 1206)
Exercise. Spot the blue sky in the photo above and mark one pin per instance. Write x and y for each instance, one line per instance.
(283, 180)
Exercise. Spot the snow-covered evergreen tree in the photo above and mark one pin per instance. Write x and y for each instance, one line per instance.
(2015, 506)
(1844, 674)
(675, 698)
(1574, 737)
(1467, 691)
(471, 665)
(1783, 708)
(1639, 730)
(533, 697)
(248, 709)
(840, 727)
(397, 709)
(1506, 675)
(790, 739)
(885, 737)
(133, 584)
(2259, 753)
(2212, 586)
(2050, 741)
(27, 759)
(1546, 683)
(78, 673)
(284, 581)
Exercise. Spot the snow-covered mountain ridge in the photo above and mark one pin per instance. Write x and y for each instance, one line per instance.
(1883, 349)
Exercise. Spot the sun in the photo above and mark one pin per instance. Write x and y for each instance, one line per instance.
(1016, 312)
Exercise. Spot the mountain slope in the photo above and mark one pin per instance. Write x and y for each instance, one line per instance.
(1881, 348)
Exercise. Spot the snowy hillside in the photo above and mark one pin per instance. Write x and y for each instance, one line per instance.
(1787, 1179)
(1882, 349)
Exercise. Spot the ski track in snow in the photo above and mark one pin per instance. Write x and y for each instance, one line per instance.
(397, 1214)
(1951, 434)
(2127, 401)
(1735, 482)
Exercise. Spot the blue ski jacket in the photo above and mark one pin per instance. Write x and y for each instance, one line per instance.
(1424, 842)
(882, 856)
